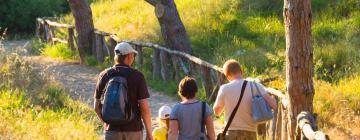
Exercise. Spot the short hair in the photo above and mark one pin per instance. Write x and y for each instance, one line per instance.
(187, 87)
(231, 67)
(119, 59)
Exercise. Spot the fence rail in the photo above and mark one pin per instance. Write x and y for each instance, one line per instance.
(163, 59)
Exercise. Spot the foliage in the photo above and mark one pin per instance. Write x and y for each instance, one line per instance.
(92, 61)
(33, 107)
(36, 46)
(60, 51)
(19, 16)
(240, 29)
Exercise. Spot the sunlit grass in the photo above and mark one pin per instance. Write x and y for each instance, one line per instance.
(60, 51)
(22, 120)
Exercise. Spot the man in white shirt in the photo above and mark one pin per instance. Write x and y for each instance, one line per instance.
(242, 127)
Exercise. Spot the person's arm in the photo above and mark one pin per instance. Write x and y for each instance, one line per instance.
(99, 89)
(173, 130)
(219, 102)
(270, 100)
(265, 94)
(218, 110)
(210, 128)
(97, 107)
(146, 117)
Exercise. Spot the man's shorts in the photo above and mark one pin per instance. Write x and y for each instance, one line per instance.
(116, 135)
(240, 135)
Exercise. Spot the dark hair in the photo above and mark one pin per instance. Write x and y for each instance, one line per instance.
(119, 59)
(187, 87)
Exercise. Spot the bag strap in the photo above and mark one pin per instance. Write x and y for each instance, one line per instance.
(126, 73)
(235, 109)
(251, 87)
(203, 118)
(257, 89)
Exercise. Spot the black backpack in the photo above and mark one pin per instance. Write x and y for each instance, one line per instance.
(117, 108)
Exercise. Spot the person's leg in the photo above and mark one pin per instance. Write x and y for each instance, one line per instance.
(111, 135)
(138, 135)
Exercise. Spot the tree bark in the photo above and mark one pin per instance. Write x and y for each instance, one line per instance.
(84, 26)
(299, 61)
(172, 28)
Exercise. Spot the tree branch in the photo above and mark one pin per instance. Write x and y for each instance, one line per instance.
(152, 2)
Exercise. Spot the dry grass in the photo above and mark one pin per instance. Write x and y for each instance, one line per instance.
(337, 106)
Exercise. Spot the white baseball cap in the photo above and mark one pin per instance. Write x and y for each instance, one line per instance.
(124, 48)
(164, 112)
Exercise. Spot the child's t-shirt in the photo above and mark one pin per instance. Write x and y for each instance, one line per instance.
(189, 118)
(160, 133)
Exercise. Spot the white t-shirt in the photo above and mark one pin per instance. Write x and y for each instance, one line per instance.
(228, 97)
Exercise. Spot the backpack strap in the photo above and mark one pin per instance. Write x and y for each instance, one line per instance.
(235, 109)
(203, 112)
(116, 72)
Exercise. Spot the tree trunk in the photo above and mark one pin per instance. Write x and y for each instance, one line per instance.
(172, 28)
(299, 61)
(84, 26)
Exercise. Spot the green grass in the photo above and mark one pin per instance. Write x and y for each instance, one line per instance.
(60, 51)
(21, 119)
(33, 107)
(250, 31)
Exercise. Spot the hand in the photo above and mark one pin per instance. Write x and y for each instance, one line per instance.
(149, 137)
(106, 126)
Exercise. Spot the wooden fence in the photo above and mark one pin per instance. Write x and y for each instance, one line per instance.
(164, 60)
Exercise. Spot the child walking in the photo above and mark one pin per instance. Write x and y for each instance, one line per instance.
(160, 133)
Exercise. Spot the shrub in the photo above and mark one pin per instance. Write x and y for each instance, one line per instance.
(20, 15)
(36, 46)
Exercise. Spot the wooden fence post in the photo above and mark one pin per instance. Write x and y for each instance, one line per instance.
(192, 69)
(220, 80)
(111, 46)
(272, 128)
(71, 38)
(38, 28)
(165, 73)
(176, 74)
(93, 43)
(106, 47)
(139, 57)
(99, 48)
(156, 64)
(261, 131)
(284, 119)
(47, 32)
(206, 80)
(278, 121)
(53, 35)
